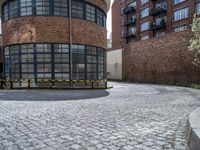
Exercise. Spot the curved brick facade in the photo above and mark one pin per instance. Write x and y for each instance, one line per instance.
(41, 29)
(38, 45)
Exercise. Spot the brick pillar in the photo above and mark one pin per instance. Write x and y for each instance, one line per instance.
(169, 16)
(192, 10)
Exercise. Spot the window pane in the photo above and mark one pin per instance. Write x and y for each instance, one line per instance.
(60, 8)
(99, 17)
(26, 7)
(90, 12)
(180, 14)
(13, 9)
(42, 7)
(77, 9)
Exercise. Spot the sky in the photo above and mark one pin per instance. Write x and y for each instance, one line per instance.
(109, 20)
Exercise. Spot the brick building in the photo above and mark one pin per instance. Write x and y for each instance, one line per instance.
(1, 54)
(116, 24)
(143, 19)
(155, 35)
(54, 39)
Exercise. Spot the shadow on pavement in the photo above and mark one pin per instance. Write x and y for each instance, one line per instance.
(51, 95)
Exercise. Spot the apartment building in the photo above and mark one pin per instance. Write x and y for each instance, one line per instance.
(144, 19)
(1, 54)
(155, 36)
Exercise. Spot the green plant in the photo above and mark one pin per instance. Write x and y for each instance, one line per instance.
(195, 86)
(125, 77)
(195, 42)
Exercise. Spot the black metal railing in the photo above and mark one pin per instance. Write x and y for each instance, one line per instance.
(158, 10)
(158, 25)
(130, 35)
(129, 9)
(130, 22)
(157, 0)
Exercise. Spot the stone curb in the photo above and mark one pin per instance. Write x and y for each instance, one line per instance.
(193, 130)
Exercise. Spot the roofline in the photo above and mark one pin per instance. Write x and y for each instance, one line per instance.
(107, 3)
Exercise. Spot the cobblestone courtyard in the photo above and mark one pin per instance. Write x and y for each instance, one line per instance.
(127, 117)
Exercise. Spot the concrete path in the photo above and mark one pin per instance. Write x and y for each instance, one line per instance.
(127, 117)
(193, 130)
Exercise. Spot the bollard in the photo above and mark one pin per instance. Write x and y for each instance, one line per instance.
(29, 84)
(92, 85)
(73, 84)
(106, 85)
(50, 84)
(11, 84)
(1, 84)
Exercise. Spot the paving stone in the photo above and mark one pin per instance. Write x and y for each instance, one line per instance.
(127, 117)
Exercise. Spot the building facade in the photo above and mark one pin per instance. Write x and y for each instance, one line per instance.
(155, 36)
(116, 24)
(1, 55)
(114, 64)
(55, 39)
(144, 19)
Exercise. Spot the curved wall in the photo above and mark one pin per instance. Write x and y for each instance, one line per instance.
(41, 29)
(37, 46)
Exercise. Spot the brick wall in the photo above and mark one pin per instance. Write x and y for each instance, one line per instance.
(1, 52)
(43, 29)
(161, 60)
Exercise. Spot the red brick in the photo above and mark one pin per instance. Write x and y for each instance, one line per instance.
(42, 29)
(161, 60)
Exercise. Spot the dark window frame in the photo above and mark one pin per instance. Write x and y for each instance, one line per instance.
(32, 10)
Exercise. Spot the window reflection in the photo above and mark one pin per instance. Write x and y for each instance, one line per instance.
(52, 61)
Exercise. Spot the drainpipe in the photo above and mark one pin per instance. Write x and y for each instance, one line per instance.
(70, 36)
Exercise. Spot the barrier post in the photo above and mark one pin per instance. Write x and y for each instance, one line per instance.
(106, 84)
(29, 84)
(73, 82)
(1, 84)
(50, 84)
(92, 85)
(11, 84)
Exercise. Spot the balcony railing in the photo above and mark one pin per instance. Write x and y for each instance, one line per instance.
(130, 22)
(130, 35)
(156, 0)
(157, 10)
(129, 10)
(157, 26)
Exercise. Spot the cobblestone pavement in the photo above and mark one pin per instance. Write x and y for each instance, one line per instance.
(127, 117)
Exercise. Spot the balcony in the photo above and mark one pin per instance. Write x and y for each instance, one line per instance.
(156, 0)
(158, 25)
(130, 35)
(130, 22)
(157, 10)
(129, 10)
